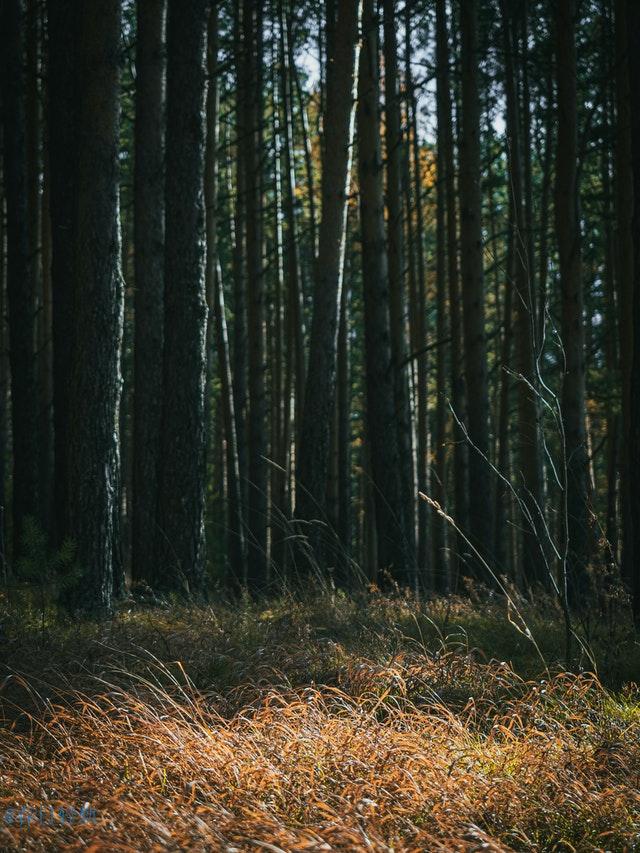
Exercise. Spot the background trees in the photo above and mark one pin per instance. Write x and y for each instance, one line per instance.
(455, 316)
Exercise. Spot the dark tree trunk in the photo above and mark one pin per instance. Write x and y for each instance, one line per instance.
(480, 503)
(94, 383)
(63, 100)
(20, 275)
(4, 395)
(447, 174)
(295, 326)
(149, 281)
(239, 352)
(625, 280)
(217, 316)
(567, 203)
(633, 437)
(180, 535)
(439, 531)
(396, 255)
(257, 515)
(528, 430)
(313, 465)
(418, 317)
(393, 552)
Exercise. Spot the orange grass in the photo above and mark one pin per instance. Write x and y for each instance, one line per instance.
(414, 750)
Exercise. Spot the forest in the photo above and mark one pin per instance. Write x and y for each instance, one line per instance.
(318, 521)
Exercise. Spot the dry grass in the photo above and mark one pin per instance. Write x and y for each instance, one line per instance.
(351, 724)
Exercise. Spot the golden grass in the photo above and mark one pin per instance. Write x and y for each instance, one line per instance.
(404, 748)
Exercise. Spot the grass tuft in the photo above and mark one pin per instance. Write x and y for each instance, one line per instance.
(364, 723)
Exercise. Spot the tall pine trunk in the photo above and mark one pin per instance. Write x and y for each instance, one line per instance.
(62, 122)
(20, 275)
(95, 380)
(396, 256)
(217, 315)
(633, 436)
(180, 544)
(624, 279)
(257, 514)
(312, 470)
(446, 174)
(528, 430)
(394, 555)
(567, 201)
(149, 280)
(475, 347)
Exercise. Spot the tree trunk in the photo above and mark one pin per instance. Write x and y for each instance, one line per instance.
(480, 503)
(63, 102)
(295, 325)
(396, 254)
(20, 277)
(321, 373)
(180, 536)
(572, 326)
(257, 425)
(633, 436)
(446, 173)
(217, 315)
(94, 383)
(239, 354)
(625, 279)
(391, 524)
(4, 395)
(529, 448)
(149, 280)
(418, 316)
(439, 531)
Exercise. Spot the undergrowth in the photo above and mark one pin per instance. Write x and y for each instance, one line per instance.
(317, 723)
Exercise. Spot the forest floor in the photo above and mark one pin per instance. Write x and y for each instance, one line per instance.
(318, 723)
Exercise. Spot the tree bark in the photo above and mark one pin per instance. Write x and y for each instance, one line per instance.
(20, 276)
(572, 326)
(480, 503)
(320, 384)
(418, 317)
(625, 278)
(63, 85)
(391, 524)
(95, 381)
(180, 537)
(149, 281)
(396, 255)
(217, 315)
(257, 514)
(633, 436)
(457, 390)
(529, 480)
